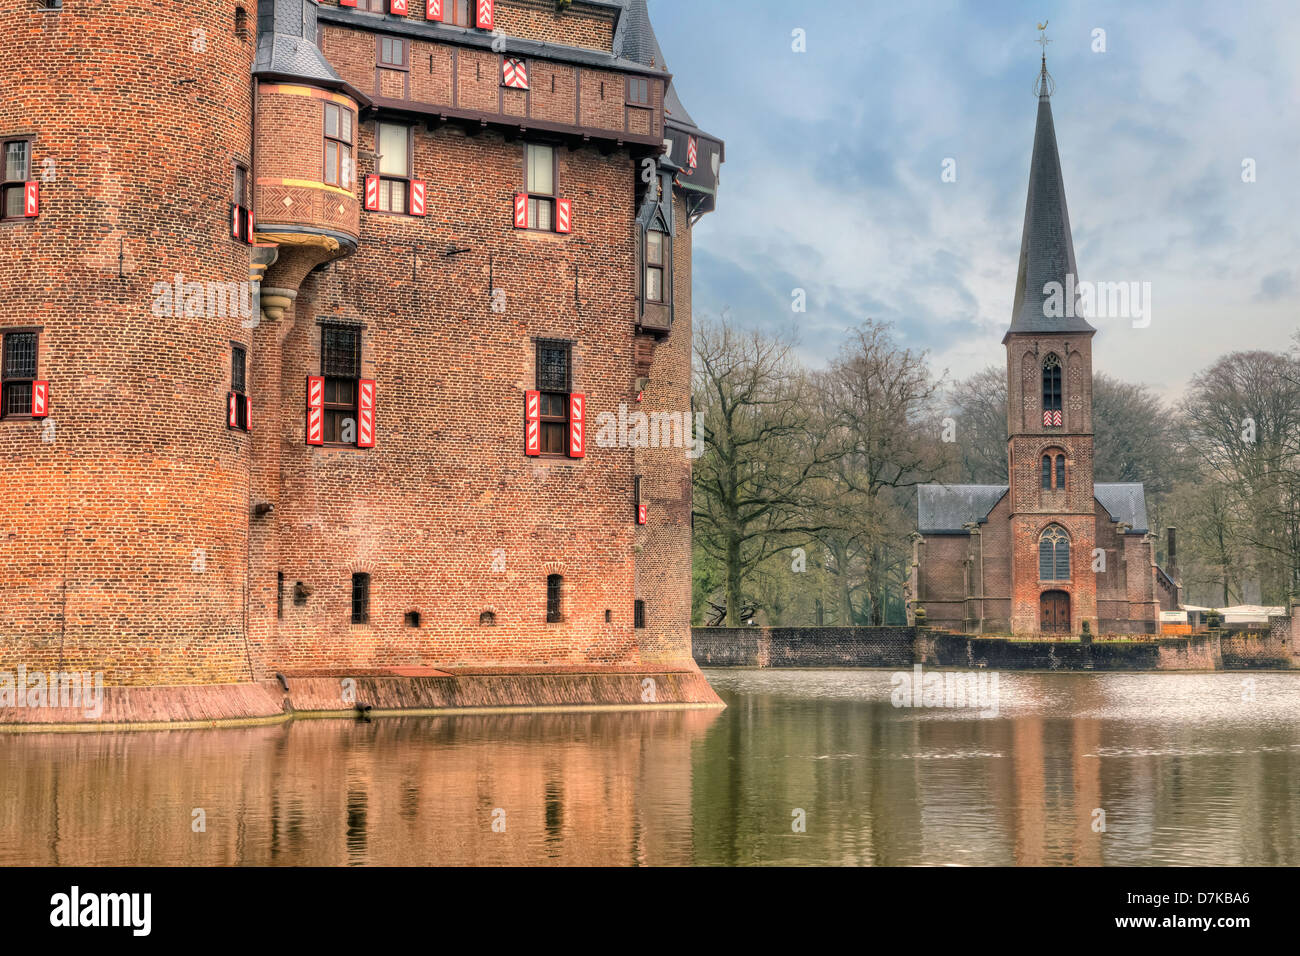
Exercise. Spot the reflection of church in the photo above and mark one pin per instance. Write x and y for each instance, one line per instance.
(1052, 550)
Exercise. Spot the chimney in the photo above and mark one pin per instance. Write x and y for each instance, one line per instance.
(1171, 555)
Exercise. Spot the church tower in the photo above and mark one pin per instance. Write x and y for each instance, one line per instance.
(1049, 409)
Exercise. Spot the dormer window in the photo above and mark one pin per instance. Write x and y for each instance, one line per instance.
(1052, 417)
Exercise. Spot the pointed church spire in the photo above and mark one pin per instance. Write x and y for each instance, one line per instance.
(1046, 247)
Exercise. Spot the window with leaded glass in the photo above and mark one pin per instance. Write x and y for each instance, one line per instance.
(554, 382)
(341, 368)
(1054, 555)
(1052, 383)
(17, 372)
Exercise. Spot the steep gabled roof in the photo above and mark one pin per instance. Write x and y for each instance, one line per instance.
(1124, 501)
(1046, 247)
(944, 509)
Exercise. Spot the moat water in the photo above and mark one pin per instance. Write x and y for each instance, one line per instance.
(1186, 768)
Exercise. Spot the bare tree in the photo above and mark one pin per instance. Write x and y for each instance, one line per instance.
(759, 452)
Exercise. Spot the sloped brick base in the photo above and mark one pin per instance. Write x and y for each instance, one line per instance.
(451, 691)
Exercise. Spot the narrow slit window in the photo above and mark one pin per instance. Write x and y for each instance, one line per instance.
(360, 598)
(554, 597)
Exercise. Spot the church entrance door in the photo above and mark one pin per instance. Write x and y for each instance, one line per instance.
(1055, 612)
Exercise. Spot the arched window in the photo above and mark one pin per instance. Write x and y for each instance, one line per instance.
(1053, 478)
(1052, 390)
(1054, 554)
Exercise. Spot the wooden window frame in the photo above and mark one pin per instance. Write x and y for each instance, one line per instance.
(8, 185)
(242, 185)
(343, 147)
(638, 613)
(449, 13)
(388, 177)
(633, 82)
(333, 410)
(535, 199)
(361, 597)
(661, 267)
(553, 420)
(6, 381)
(381, 63)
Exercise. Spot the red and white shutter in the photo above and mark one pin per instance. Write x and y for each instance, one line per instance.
(315, 410)
(692, 153)
(32, 199)
(40, 399)
(514, 73)
(433, 9)
(641, 514)
(232, 410)
(1056, 417)
(248, 233)
(577, 425)
(521, 210)
(418, 191)
(365, 414)
(398, 7)
(532, 423)
(483, 15)
(248, 413)
(236, 222)
(563, 215)
(372, 193)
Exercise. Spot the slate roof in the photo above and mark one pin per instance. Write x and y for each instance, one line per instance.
(636, 40)
(1046, 247)
(286, 43)
(1124, 501)
(943, 509)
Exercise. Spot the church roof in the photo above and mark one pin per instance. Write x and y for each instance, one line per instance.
(1046, 247)
(944, 509)
(1124, 501)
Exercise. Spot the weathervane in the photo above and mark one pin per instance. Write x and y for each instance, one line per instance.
(1044, 85)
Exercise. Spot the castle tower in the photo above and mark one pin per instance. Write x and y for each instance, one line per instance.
(1049, 409)
(124, 498)
(310, 338)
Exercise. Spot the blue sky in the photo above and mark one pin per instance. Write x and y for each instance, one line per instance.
(832, 181)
